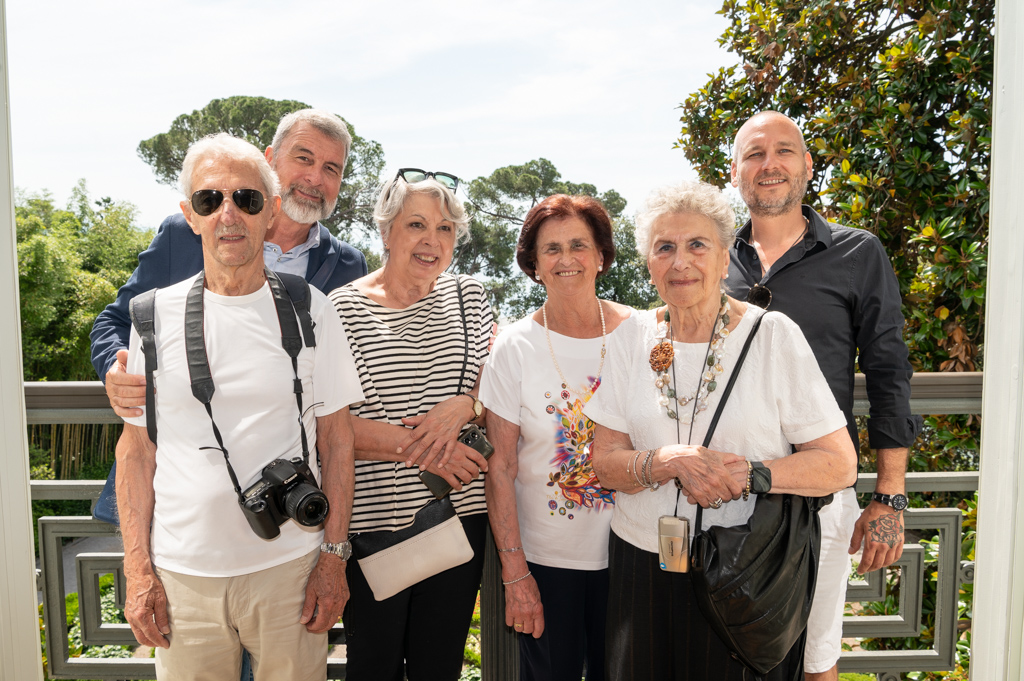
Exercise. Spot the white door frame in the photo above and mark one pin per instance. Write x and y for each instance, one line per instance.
(996, 633)
(19, 616)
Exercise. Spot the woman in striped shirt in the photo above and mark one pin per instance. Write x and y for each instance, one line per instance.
(419, 337)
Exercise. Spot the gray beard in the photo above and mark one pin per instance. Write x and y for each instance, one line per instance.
(306, 213)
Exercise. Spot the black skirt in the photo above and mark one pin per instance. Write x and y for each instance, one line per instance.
(656, 631)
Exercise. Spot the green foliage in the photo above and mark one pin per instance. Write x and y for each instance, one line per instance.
(70, 264)
(255, 119)
(894, 99)
(110, 613)
(627, 280)
(471, 652)
(890, 605)
(497, 205)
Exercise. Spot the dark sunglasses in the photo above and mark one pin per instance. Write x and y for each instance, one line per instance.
(206, 201)
(759, 295)
(414, 175)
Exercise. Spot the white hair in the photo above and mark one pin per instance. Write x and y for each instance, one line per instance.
(699, 198)
(223, 145)
(393, 194)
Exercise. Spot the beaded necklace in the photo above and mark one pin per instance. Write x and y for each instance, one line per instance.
(583, 392)
(661, 360)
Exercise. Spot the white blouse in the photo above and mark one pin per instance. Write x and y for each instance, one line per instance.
(779, 398)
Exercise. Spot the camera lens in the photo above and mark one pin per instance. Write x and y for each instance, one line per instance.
(306, 504)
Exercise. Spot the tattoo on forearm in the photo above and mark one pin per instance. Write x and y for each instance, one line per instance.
(887, 529)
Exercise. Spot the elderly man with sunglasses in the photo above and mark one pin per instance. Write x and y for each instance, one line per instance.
(232, 354)
(837, 284)
(308, 153)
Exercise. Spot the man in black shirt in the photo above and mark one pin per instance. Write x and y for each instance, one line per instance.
(837, 284)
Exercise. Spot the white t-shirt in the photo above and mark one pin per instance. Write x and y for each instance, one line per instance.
(563, 511)
(198, 526)
(780, 397)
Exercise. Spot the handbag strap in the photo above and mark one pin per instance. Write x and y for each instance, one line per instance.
(465, 331)
(465, 357)
(721, 405)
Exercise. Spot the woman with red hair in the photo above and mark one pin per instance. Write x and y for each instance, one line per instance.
(549, 514)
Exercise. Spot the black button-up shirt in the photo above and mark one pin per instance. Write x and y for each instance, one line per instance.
(837, 284)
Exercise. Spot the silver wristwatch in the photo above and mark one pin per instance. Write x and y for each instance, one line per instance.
(342, 550)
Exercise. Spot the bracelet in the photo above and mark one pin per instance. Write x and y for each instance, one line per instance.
(639, 482)
(514, 548)
(518, 579)
(649, 465)
(750, 473)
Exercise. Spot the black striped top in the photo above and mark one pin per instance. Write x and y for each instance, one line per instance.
(409, 360)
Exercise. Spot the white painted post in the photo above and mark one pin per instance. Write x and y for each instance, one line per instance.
(996, 637)
(19, 617)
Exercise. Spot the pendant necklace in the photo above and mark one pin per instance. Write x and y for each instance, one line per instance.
(661, 360)
(582, 391)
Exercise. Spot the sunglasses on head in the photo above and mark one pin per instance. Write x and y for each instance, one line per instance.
(206, 201)
(414, 175)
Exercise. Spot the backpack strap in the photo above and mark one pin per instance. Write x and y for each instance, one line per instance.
(143, 311)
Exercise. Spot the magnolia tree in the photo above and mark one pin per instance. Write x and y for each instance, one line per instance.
(894, 99)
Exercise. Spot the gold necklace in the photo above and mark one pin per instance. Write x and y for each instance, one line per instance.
(663, 355)
(580, 391)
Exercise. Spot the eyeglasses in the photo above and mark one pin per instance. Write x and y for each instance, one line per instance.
(206, 201)
(413, 175)
(759, 295)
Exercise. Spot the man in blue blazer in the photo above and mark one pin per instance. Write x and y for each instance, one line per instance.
(308, 153)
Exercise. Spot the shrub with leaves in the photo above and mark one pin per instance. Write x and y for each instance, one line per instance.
(894, 98)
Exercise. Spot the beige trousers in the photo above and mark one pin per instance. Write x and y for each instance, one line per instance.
(214, 618)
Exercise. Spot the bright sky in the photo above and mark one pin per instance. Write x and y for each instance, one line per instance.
(465, 87)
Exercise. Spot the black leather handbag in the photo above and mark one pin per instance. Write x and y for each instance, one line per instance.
(754, 582)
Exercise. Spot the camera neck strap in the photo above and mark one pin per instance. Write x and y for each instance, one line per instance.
(289, 302)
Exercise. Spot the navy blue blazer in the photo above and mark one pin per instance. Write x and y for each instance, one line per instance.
(177, 254)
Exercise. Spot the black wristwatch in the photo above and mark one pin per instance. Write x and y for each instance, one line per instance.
(760, 478)
(898, 502)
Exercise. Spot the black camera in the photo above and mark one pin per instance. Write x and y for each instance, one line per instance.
(473, 438)
(286, 490)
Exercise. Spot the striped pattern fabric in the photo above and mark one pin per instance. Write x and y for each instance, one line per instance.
(409, 360)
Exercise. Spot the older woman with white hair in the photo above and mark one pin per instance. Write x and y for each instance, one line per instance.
(663, 383)
(419, 337)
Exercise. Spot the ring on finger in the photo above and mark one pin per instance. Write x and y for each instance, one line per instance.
(717, 503)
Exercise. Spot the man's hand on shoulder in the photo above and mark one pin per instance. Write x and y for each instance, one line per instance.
(145, 608)
(125, 391)
(880, 528)
(326, 594)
